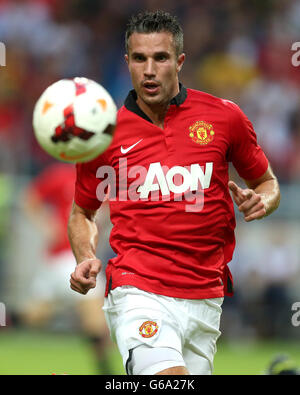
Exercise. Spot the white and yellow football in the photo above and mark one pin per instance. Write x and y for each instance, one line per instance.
(74, 120)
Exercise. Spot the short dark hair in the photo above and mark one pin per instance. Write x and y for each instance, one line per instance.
(155, 22)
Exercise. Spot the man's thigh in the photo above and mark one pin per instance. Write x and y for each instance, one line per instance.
(169, 332)
(144, 329)
(202, 335)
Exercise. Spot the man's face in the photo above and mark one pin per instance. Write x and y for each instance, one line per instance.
(154, 66)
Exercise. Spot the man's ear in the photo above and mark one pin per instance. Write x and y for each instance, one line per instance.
(180, 62)
(126, 58)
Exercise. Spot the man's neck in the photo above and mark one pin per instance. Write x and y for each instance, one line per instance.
(157, 112)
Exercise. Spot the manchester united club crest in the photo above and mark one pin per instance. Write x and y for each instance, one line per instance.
(148, 329)
(201, 132)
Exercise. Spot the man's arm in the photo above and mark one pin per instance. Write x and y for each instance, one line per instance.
(83, 236)
(261, 197)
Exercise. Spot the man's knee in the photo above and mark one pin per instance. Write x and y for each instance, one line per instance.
(146, 360)
(175, 371)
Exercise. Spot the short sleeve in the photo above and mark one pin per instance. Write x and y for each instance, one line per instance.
(43, 184)
(245, 154)
(49, 183)
(87, 184)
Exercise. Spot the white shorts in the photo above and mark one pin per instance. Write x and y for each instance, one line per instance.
(190, 326)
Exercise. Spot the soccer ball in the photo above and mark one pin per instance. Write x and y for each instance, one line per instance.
(74, 120)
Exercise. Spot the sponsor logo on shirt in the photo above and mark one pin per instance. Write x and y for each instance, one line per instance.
(166, 183)
(201, 132)
(158, 182)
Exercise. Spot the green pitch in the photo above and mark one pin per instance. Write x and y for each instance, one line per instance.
(36, 353)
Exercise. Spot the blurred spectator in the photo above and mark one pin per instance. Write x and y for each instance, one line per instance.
(266, 266)
(6, 196)
(47, 202)
(271, 118)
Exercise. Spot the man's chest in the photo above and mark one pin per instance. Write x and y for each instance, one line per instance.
(185, 140)
(181, 157)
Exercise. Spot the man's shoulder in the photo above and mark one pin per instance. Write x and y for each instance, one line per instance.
(124, 114)
(209, 99)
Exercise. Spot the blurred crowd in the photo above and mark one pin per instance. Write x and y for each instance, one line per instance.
(236, 49)
(239, 50)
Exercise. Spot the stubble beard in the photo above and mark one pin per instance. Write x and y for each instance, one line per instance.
(156, 102)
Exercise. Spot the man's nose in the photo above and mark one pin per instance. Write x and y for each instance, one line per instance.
(150, 69)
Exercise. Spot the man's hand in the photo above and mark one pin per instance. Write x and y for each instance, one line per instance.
(84, 276)
(248, 201)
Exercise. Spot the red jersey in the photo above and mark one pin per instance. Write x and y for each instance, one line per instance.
(171, 210)
(55, 187)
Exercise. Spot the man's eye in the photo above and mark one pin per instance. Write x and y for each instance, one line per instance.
(161, 58)
(139, 58)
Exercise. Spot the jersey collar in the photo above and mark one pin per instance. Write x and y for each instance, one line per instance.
(131, 104)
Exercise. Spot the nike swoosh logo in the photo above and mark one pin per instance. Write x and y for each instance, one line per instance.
(125, 150)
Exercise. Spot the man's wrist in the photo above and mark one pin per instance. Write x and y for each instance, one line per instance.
(86, 258)
(269, 207)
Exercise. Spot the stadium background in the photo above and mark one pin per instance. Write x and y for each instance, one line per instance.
(239, 50)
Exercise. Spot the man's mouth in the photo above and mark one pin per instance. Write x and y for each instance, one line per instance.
(150, 87)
